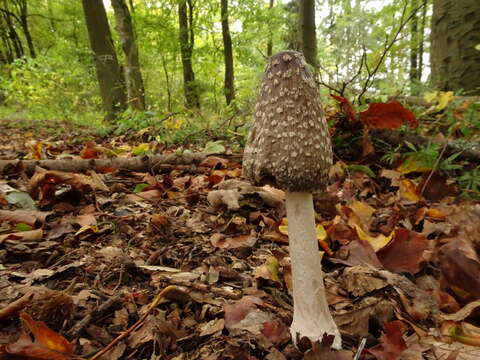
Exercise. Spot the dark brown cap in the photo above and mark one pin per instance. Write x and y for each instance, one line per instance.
(289, 144)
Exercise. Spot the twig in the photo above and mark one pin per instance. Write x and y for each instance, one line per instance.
(435, 166)
(132, 328)
(74, 331)
(388, 46)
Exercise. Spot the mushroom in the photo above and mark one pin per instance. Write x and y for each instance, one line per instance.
(289, 147)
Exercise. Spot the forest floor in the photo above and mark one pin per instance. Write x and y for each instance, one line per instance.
(89, 255)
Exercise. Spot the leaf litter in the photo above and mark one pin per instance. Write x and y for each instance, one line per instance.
(192, 262)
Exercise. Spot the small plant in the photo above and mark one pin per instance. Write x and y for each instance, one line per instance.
(424, 158)
(469, 182)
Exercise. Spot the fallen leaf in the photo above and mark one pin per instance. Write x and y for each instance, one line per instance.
(237, 311)
(346, 107)
(32, 235)
(225, 242)
(391, 342)
(405, 252)
(269, 270)
(276, 332)
(460, 266)
(378, 242)
(409, 191)
(390, 115)
(47, 344)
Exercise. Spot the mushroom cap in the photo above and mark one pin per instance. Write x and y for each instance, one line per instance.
(289, 145)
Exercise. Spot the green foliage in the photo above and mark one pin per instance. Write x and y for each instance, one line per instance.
(427, 157)
(362, 168)
(49, 87)
(469, 182)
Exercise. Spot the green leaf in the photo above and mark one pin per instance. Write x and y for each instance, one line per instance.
(361, 168)
(214, 147)
(140, 187)
(23, 227)
(142, 149)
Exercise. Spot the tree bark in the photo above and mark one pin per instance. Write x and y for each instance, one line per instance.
(22, 8)
(133, 75)
(270, 33)
(414, 46)
(186, 37)
(11, 34)
(455, 34)
(421, 39)
(308, 38)
(228, 54)
(138, 163)
(106, 63)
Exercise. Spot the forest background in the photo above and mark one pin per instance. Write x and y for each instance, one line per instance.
(175, 57)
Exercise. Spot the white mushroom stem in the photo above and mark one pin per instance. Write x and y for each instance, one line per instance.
(311, 315)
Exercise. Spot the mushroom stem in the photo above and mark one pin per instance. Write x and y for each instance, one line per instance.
(311, 315)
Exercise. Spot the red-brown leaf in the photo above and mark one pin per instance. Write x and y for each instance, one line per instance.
(460, 266)
(390, 115)
(346, 107)
(405, 252)
(391, 342)
(48, 345)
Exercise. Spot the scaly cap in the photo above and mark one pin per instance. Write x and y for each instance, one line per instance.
(289, 144)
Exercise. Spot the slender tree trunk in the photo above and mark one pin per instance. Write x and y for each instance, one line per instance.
(167, 82)
(12, 34)
(422, 39)
(23, 14)
(186, 37)
(308, 38)
(106, 63)
(133, 76)
(228, 54)
(270, 32)
(414, 45)
(455, 36)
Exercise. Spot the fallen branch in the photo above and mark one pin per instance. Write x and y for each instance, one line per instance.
(138, 163)
(75, 330)
(420, 101)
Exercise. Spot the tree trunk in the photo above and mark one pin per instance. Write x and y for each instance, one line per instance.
(308, 38)
(455, 34)
(421, 39)
(23, 17)
(414, 38)
(11, 34)
(270, 33)
(228, 54)
(106, 63)
(186, 37)
(133, 76)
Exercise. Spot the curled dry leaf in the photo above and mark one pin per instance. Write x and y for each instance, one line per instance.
(47, 344)
(391, 342)
(460, 267)
(405, 252)
(225, 242)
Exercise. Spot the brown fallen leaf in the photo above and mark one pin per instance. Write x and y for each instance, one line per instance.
(225, 242)
(391, 342)
(47, 344)
(405, 252)
(32, 235)
(460, 267)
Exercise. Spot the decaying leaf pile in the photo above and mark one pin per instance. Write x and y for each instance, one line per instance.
(191, 262)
